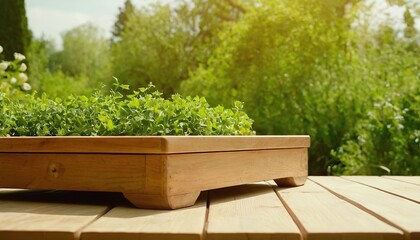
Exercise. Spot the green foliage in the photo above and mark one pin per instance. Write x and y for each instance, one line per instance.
(85, 53)
(386, 139)
(144, 112)
(162, 44)
(281, 59)
(152, 50)
(14, 32)
(78, 69)
(57, 84)
(301, 69)
(122, 18)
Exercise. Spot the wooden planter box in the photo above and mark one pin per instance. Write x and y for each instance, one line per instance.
(165, 172)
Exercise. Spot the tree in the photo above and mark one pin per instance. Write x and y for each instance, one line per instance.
(40, 55)
(410, 30)
(85, 53)
(14, 33)
(299, 67)
(163, 44)
(283, 59)
(122, 19)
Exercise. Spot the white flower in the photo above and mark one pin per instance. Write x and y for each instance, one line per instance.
(4, 65)
(13, 80)
(23, 77)
(23, 67)
(1, 49)
(26, 87)
(19, 57)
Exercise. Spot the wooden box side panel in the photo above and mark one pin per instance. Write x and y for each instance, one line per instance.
(87, 172)
(204, 171)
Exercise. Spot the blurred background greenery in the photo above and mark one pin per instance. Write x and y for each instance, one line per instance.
(300, 66)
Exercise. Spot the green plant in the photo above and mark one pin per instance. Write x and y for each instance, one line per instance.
(85, 53)
(164, 42)
(306, 67)
(284, 59)
(387, 140)
(144, 112)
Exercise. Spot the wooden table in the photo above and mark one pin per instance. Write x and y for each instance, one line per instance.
(354, 207)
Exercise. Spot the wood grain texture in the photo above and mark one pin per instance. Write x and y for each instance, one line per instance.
(127, 223)
(406, 190)
(70, 144)
(345, 210)
(399, 212)
(177, 144)
(21, 219)
(197, 172)
(88, 172)
(161, 181)
(322, 215)
(250, 211)
(407, 179)
(149, 144)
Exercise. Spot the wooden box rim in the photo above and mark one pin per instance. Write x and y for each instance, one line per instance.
(150, 144)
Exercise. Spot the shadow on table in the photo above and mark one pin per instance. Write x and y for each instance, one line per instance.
(73, 197)
(34, 201)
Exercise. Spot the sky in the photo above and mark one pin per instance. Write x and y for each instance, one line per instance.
(50, 18)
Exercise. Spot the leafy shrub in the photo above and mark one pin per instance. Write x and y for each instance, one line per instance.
(77, 69)
(284, 58)
(302, 68)
(57, 84)
(142, 113)
(386, 141)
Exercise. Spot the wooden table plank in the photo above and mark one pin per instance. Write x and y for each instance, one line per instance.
(322, 215)
(408, 179)
(250, 211)
(129, 223)
(400, 212)
(406, 190)
(26, 215)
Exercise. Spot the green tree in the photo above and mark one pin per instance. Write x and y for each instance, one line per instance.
(151, 50)
(14, 32)
(386, 138)
(46, 75)
(303, 67)
(85, 53)
(284, 60)
(410, 29)
(122, 18)
(162, 44)
(78, 69)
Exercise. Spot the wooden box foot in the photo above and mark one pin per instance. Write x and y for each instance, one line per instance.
(162, 201)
